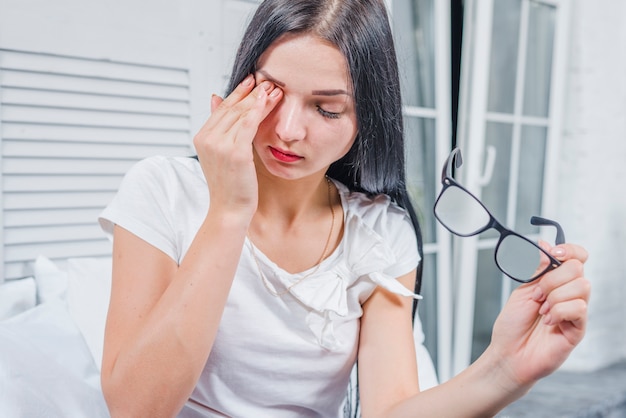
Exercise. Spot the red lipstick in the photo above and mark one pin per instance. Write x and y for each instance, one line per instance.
(284, 157)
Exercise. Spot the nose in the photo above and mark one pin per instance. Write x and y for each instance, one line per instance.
(290, 120)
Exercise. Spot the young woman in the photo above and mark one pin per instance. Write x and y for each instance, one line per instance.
(248, 282)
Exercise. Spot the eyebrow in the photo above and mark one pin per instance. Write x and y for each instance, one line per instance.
(330, 92)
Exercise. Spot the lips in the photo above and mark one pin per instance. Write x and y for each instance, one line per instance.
(284, 156)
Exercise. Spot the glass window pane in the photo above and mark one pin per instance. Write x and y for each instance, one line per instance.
(420, 166)
(487, 306)
(495, 194)
(413, 22)
(530, 183)
(539, 59)
(503, 61)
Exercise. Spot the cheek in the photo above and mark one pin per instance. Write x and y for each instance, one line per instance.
(267, 125)
(339, 142)
(349, 145)
(347, 133)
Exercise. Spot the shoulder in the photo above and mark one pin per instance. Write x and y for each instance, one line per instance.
(164, 175)
(377, 228)
(159, 166)
(158, 198)
(378, 212)
(160, 185)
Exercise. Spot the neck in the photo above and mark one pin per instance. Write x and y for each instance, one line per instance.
(289, 201)
(298, 222)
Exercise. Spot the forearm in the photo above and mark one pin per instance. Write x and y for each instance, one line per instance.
(481, 390)
(159, 360)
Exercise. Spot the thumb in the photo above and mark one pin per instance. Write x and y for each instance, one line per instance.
(215, 102)
(544, 261)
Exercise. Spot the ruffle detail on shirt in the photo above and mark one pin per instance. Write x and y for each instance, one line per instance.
(325, 294)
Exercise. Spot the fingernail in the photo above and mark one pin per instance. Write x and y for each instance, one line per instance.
(558, 251)
(545, 308)
(266, 85)
(538, 294)
(547, 319)
(247, 82)
(275, 92)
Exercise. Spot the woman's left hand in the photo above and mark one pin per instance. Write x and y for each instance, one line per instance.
(543, 320)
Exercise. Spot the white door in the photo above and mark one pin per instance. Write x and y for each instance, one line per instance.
(510, 123)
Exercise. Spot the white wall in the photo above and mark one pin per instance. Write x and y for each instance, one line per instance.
(592, 196)
(87, 88)
(197, 34)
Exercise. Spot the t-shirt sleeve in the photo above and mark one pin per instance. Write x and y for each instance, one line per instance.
(394, 227)
(142, 206)
(400, 235)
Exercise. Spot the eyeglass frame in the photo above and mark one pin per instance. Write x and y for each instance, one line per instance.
(447, 181)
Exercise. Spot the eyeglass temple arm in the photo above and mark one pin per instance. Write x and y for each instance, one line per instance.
(560, 235)
(454, 157)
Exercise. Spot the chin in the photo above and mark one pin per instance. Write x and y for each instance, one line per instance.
(290, 173)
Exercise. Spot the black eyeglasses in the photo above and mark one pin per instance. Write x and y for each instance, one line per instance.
(463, 214)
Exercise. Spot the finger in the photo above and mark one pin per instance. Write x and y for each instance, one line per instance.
(544, 260)
(247, 126)
(574, 311)
(569, 251)
(243, 93)
(579, 288)
(240, 92)
(274, 96)
(220, 106)
(568, 271)
(215, 102)
(225, 115)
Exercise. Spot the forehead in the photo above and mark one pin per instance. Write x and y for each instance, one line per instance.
(306, 60)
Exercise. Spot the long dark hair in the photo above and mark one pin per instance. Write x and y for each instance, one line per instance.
(361, 31)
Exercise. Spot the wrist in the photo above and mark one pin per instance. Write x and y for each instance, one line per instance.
(232, 219)
(502, 377)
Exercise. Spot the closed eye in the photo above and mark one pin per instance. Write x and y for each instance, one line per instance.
(327, 114)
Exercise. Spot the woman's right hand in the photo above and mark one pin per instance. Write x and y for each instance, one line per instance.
(543, 321)
(158, 305)
(224, 145)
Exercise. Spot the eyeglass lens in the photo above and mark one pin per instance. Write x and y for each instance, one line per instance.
(519, 258)
(464, 215)
(460, 212)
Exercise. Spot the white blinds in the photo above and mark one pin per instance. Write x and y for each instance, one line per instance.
(69, 129)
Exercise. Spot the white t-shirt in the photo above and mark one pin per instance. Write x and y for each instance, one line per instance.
(274, 356)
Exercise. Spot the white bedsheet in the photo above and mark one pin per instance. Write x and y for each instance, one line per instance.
(46, 368)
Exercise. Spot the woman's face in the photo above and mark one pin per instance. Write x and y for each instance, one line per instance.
(315, 123)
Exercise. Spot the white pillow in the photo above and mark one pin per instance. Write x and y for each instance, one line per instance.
(17, 296)
(46, 369)
(88, 294)
(51, 281)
